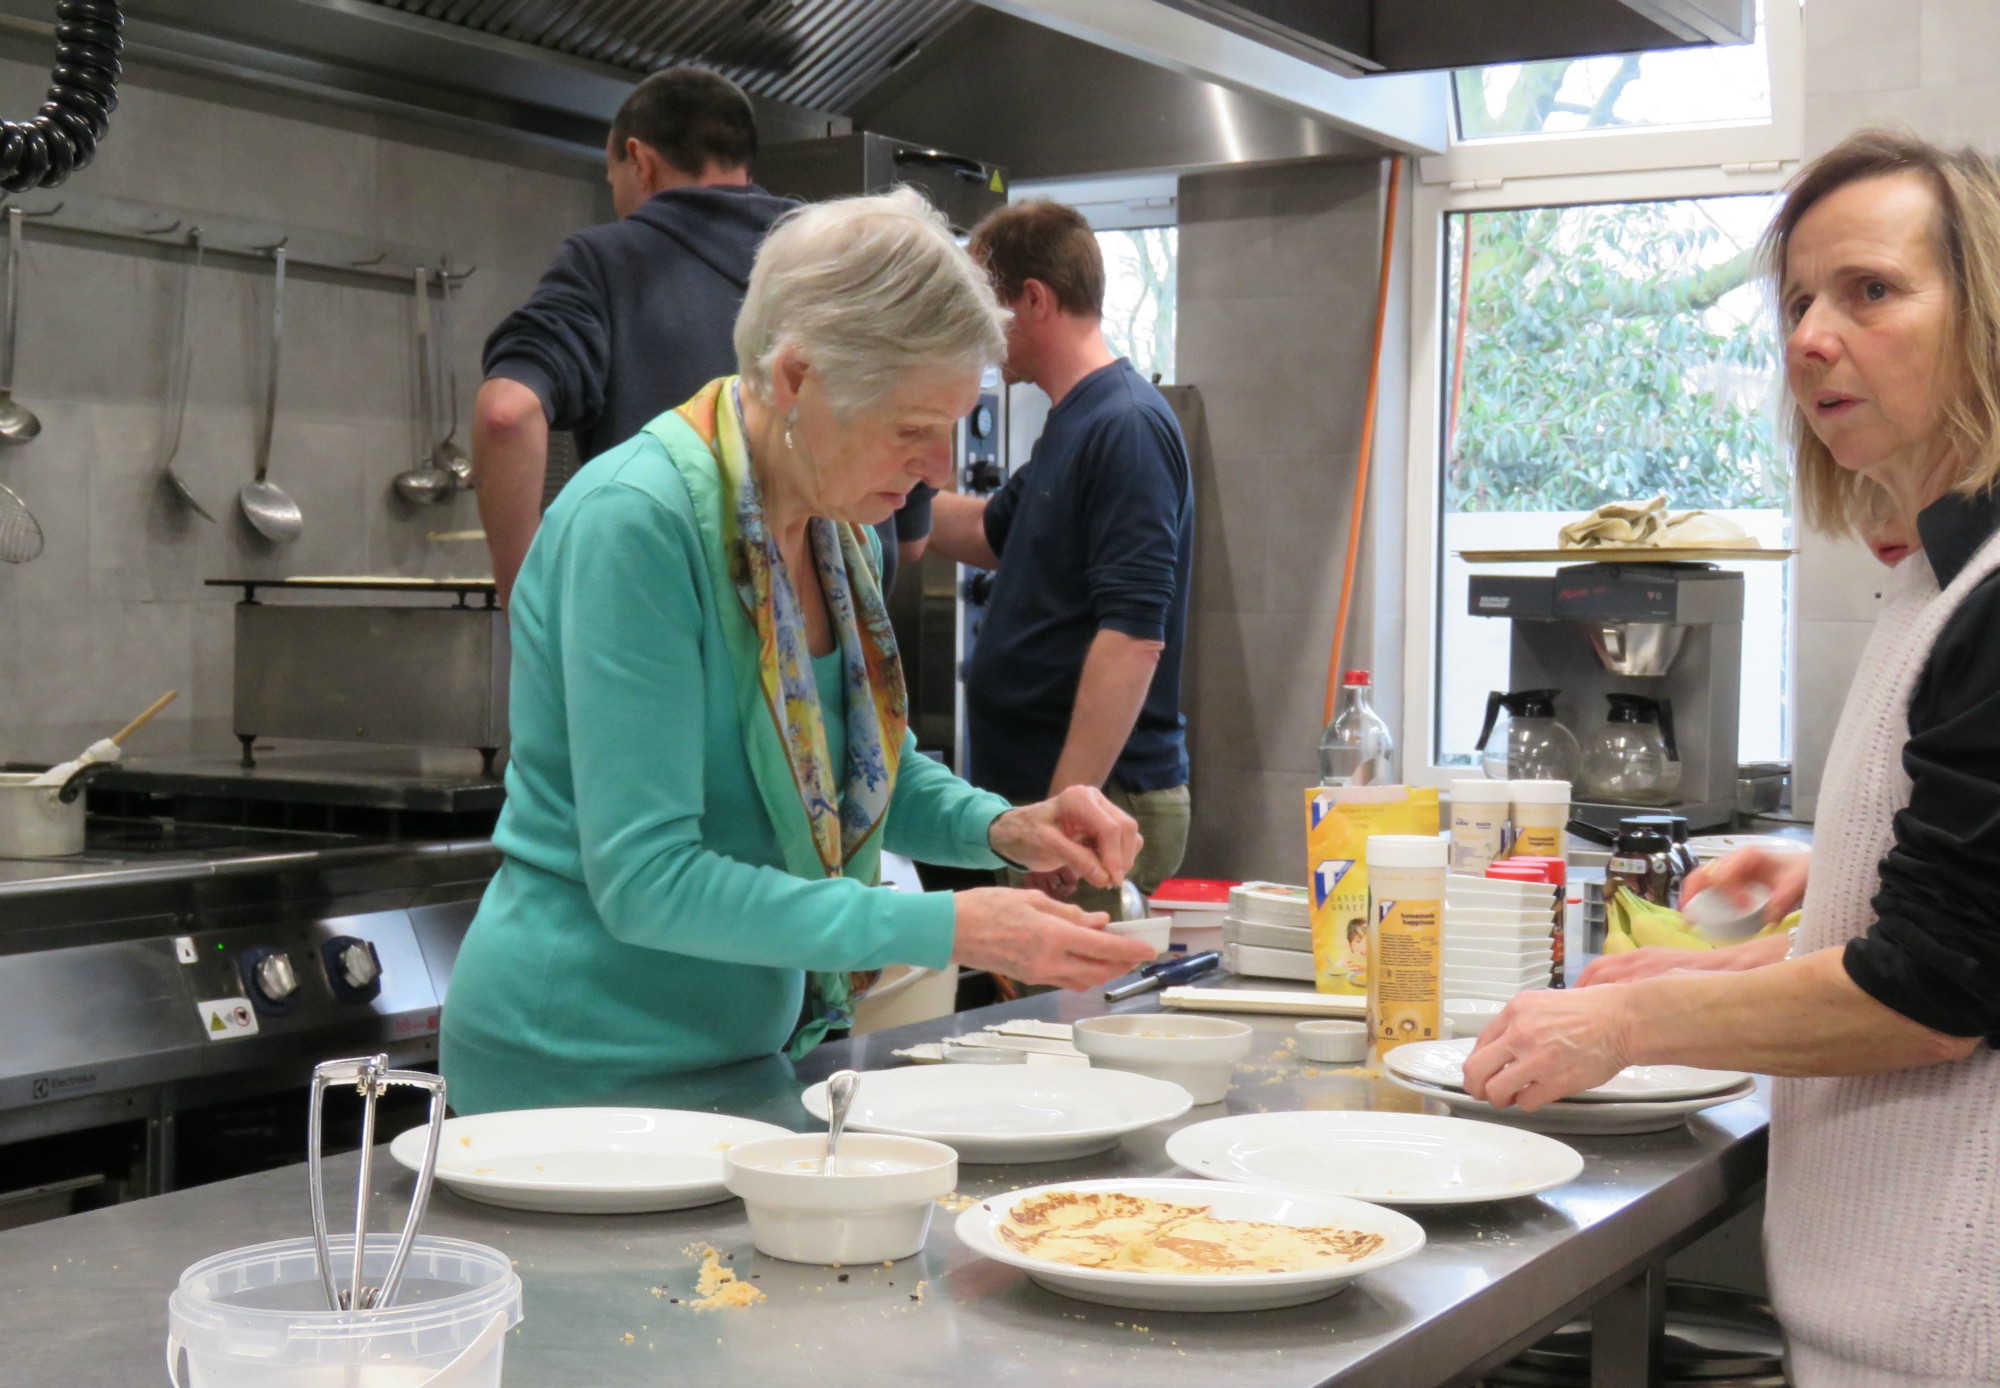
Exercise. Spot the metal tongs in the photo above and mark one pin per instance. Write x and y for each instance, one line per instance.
(369, 1075)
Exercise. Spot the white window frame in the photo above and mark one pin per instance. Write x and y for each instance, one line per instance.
(1478, 163)
(1423, 477)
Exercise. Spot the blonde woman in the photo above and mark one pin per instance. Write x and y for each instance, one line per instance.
(1883, 1224)
(711, 743)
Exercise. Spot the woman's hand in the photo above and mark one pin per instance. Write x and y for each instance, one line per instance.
(1649, 962)
(1549, 1044)
(1028, 936)
(1783, 874)
(1078, 831)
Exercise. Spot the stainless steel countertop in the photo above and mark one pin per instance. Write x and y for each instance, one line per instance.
(83, 1299)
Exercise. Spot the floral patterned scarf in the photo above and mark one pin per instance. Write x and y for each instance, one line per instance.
(843, 806)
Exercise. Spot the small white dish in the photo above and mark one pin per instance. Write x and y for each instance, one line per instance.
(1333, 1043)
(1726, 921)
(1517, 976)
(1197, 1053)
(1569, 1118)
(1442, 1063)
(875, 1207)
(1008, 1113)
(1154, 931)
(1470, 1015)
(978, 1229)
(586, 1160)
(1389, 1158)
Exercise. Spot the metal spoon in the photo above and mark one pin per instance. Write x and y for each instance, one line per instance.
(17, 422)
(449, 455)
(180, 367)
(426, 484)
(1131, 905)
(270, 512)
(840, 1087)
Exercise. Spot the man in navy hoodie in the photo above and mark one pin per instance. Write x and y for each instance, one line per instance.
(632, 317)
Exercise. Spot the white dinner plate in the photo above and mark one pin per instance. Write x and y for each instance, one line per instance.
(1151, 1291)
(1710, 846)
(1442, 1064)
(1389, 1158)
(1579, 1120)
(1007, 1113)
(586, 1160)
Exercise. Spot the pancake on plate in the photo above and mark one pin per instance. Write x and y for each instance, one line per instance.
(1129, 1233)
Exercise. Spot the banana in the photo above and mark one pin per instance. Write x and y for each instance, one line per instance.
(1659, 926)
(1782, 927)
(1617, 942)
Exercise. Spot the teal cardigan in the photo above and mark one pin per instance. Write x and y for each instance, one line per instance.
(643, 921)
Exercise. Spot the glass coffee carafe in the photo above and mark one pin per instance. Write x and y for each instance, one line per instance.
(1522, 741)
(1632, 759)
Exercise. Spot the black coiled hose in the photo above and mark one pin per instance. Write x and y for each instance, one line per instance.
(83, 91)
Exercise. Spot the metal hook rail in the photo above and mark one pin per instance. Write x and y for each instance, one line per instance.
(386, 263)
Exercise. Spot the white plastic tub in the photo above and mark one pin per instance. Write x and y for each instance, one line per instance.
(256, 1317)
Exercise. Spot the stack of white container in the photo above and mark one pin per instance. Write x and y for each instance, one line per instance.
(1268, 932)
(1498, 938)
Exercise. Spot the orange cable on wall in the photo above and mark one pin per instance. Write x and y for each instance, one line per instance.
(1367, 439)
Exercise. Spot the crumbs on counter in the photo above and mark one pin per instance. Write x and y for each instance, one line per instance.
(956, 1202)
(918, 1295)
(717, 1287)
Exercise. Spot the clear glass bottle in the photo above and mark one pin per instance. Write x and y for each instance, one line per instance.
(1356, 749)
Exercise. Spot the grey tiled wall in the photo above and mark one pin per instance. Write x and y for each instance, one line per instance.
(1278, 270)
(113, 612)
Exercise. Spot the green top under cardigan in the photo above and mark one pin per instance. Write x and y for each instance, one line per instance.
(644, 921)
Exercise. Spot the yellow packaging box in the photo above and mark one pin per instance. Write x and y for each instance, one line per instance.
(1339, 822)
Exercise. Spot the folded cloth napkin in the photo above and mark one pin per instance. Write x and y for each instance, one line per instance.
(1648, 525)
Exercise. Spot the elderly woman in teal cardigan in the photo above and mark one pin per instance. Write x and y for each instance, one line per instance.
(710, 728)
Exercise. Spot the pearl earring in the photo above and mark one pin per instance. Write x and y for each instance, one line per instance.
(791, 418)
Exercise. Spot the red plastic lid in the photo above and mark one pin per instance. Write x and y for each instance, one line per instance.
(1360, 677)
(1516, 870)
(1192, 891)
(1553, 870)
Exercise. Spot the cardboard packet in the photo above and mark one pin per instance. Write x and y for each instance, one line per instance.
(1339, 822)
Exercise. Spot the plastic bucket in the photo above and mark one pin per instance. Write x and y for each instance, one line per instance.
(257, 1316)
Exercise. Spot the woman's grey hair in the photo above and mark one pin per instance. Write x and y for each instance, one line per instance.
(865, 289)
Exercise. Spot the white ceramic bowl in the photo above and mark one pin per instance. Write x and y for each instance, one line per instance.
(1334, 1042)
(1196, 1053)
(1471, 1015)
(876, 1207)
(1156, 931)
(1724, 921)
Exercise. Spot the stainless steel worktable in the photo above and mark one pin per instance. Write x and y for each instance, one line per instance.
(83, 1299)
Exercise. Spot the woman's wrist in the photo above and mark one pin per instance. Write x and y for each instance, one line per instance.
(999, 835)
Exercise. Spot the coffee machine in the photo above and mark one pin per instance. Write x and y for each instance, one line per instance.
(1669, 633)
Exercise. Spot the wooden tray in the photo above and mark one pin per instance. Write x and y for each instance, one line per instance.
(1640, 555)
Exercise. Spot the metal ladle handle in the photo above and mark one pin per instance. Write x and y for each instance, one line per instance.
(277, 346)
(370, 1075)
(13, 309)
(840, 1087)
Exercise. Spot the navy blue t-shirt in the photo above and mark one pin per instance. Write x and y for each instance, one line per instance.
(1095, 531)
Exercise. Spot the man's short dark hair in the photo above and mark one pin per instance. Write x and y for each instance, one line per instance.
(692, 117)
(1044, 241)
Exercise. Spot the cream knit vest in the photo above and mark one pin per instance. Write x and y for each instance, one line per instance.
(1883, 1214)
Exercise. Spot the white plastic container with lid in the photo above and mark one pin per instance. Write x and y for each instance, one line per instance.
(1197, 907)
(1540, 812)
(1478, 824)
(1406, 875)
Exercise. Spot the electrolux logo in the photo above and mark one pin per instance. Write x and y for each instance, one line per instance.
(61, 1086)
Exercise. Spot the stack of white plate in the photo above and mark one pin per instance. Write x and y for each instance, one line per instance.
(1268, 931)
(1498, 936)
(1638, 1099)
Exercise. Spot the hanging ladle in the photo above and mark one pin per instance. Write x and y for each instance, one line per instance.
(17, 422)
(180, 367)
(426, 484)
(449, 455)
(270, 512)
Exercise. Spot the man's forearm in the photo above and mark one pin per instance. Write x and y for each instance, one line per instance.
(958, 530)
(1116, 675)
(510, 459)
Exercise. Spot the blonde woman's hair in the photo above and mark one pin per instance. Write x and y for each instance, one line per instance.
(1835, 500)
(865, 289)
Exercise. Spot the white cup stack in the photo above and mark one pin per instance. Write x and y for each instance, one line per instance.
(1268, 932)
(1496, 937)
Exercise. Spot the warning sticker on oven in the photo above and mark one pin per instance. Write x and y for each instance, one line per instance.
(225, 1019)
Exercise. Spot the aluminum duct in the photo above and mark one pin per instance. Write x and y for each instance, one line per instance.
(821, 54)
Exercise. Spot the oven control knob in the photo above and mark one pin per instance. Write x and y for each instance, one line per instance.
(276, 979)
(358, 968)
(353, 968)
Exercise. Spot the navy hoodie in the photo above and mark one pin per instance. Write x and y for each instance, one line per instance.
(635, 316)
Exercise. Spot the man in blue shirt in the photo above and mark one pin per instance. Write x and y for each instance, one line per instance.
(1075, 679)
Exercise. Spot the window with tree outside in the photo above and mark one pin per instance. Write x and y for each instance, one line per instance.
(1139, 280)
(1598, 353)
